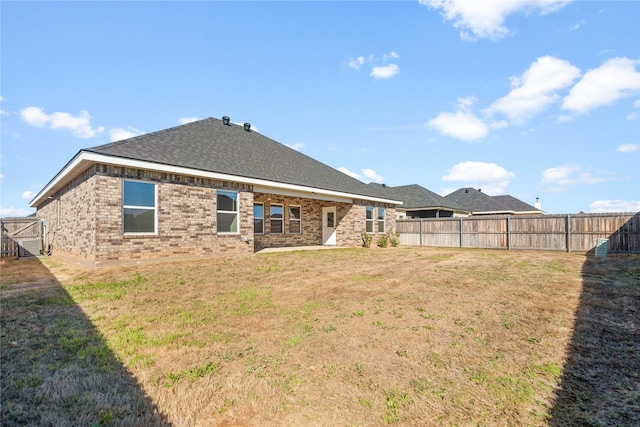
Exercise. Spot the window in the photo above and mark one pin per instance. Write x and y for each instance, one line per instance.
(258, 218)
(227, 211)
(294, 220)
(275, 213)
(139, 207)
(369, 220)
(380, 220)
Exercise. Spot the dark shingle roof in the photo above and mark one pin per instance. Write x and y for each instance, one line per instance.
(415, 197)
(515, 205)
(475, 200)
(211, 146)
(478, 202)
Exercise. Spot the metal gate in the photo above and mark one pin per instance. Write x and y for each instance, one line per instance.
(22, 237)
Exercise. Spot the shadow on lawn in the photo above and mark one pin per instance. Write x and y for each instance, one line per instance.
(600, 384)
(56, 367)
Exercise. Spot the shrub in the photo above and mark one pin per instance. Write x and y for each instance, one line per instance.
(366, 239)
(384, 241)
(395, 239)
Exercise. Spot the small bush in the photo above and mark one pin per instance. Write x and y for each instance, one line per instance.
(366, 239)
(394, 238)
(384, 241)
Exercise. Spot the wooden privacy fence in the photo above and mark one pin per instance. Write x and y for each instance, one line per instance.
(578, 232)
(21, 237)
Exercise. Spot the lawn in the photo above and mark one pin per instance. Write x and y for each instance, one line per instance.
(353, 337)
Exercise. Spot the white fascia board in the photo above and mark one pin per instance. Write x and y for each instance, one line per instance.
(57, 180)
(260, 184)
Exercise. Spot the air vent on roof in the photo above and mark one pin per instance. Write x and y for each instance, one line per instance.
(225, 120)
(247, 126)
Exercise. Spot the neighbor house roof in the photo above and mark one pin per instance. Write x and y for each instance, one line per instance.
(416, 197)
(516, 205)
(481, 203)
(211, 148)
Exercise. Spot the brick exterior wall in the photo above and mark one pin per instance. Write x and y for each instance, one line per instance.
(70, 217)
(84, 219)
(350, 222)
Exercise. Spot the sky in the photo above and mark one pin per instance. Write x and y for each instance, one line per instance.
(535, 99)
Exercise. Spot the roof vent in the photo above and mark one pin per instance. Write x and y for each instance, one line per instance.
(466, 190)
(479, 190)
(225, 120)
(384, 185)
(247, 127)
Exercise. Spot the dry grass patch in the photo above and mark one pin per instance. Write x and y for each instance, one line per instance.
(359, 337)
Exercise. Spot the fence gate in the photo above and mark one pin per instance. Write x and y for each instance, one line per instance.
(22, 237)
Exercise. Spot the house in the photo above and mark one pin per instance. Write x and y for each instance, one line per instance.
(479, 203)
(418, 202)
(206, 188)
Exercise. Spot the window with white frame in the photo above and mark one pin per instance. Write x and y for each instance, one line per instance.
(295, 226)
(369, 220)
(138, 207)
(227, 211)
(380, 220)
(277, 219)
(258, 218)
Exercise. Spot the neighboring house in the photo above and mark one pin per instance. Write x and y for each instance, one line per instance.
(479, 203)
(206, 188)
(418, 202)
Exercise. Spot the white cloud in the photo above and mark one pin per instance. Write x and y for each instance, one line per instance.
(485, 19)
(371, 176)
(560, 177)
(368, 175)
(602, 206)
(535, 89)
(492, 178)
(460, 125)
(79, 125)
(348, 172)
(628, 148)
(617, 78)
(34, 116)
(356, 63)
(380, 66)
(185, 120)
(296, 146)
(3, 113)
(577, 25)
(1, 178)
(118, 134)
(390, 55)
(28, 195)
(385, 71)
(10, 211)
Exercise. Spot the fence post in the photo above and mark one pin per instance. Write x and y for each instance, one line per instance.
(421, 232)
(460, 231)
(508, 233)
(568, 228)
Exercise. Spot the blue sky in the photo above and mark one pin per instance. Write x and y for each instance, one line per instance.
(527, 98)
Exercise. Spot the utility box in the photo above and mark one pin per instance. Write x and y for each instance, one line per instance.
(602, 247)
(29, 247)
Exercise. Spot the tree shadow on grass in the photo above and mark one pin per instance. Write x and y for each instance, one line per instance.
(56, 367)
(600, 384)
